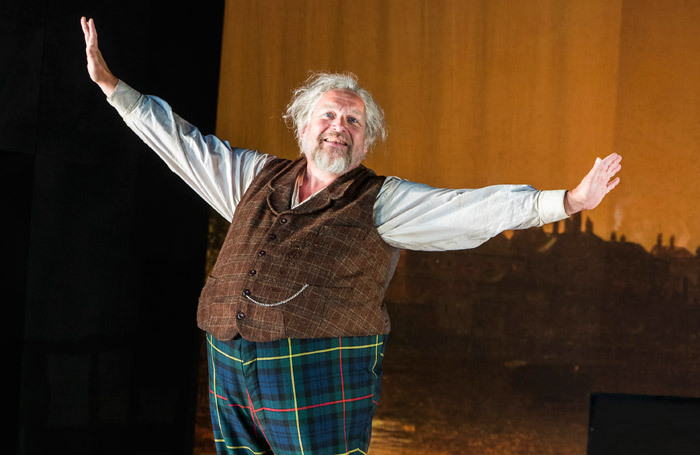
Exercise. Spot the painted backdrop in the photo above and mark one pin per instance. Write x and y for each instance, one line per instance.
(505, 91)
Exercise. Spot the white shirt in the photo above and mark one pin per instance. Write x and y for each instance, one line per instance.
(407, 214)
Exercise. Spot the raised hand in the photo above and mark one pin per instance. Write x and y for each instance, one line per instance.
(594, 186)
(96, 65)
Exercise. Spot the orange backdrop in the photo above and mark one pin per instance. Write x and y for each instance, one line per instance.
(479, 92)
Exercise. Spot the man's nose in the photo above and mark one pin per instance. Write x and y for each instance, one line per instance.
(339, 123)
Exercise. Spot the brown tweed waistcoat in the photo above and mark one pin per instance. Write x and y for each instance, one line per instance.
(319, 270)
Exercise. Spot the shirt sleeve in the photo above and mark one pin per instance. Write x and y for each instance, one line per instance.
(419, 217)
(219, 173)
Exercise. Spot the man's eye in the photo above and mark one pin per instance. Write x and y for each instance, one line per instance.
(328, 115)
(353, 120)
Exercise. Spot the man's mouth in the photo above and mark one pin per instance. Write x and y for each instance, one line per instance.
(335, 141)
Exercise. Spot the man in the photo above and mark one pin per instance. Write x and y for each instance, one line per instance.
(293, 308)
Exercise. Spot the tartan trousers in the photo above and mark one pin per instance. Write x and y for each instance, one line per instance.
(294, 396)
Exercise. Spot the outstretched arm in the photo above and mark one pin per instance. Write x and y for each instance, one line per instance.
(218, 173)
(96, 65)
(594, 186)
(418, 217)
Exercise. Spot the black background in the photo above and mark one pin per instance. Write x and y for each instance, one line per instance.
(627, 424)
(104, 246)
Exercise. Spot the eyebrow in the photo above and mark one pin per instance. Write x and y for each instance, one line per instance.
(352, 111)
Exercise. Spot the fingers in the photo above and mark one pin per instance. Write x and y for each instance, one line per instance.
(614, 166)
(88, 26)
(611, 162)
(611, 167)
(93, 32)
(614, 169)
(86, 31)
(613, 184)
(608, 166)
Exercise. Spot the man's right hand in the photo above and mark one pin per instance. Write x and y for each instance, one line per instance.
(96, 65)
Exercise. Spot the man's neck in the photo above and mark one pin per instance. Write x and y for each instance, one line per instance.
(314, 180)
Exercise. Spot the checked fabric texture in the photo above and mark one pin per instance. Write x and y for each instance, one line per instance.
(294, 396)
(318, 270)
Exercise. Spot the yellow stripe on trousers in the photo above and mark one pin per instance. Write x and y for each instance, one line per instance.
(213, 376)
(294, 392)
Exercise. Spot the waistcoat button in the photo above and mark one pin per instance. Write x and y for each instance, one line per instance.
(283, 221)
(272, 237)
(252, 272)
(240, 315)
(261, 253)
(246, 292)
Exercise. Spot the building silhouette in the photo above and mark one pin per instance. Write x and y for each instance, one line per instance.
(560, 295)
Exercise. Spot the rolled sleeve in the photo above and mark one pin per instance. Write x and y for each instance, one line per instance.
(550, 206)
(124, 98)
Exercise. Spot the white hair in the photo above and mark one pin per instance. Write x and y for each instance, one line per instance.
(304, 100)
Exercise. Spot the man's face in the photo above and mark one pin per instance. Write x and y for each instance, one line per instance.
(334, 138)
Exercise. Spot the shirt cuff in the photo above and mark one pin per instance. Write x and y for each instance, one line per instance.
(551, 206)
(124, 98)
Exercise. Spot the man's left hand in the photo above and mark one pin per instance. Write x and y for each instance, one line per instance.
(594, 186)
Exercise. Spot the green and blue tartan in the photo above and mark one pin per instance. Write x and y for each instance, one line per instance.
(294, 396)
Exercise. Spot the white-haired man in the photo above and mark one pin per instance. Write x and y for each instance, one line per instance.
(293, 308)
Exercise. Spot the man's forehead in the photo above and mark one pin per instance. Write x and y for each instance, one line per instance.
(342, 98)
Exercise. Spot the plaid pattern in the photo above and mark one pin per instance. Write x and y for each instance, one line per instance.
(294, 396)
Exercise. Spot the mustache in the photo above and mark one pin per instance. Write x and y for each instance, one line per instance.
(336, 137)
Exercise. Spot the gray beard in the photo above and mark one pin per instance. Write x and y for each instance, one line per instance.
(331, 163)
